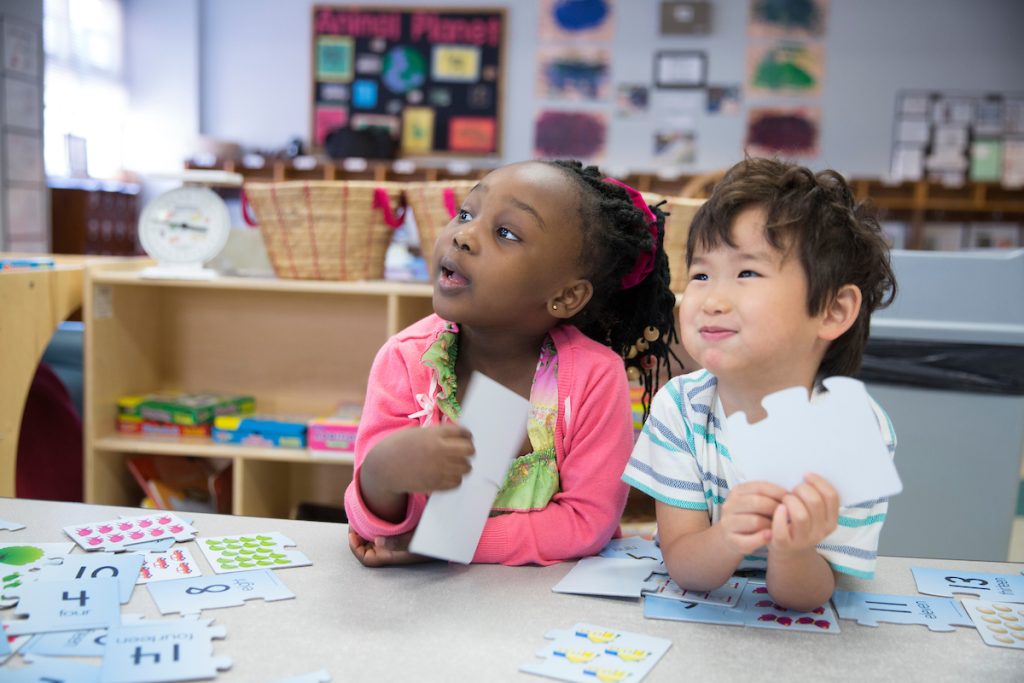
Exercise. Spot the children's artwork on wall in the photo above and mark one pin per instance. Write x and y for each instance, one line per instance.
(562, 20)
(675, 147)
(723, 99)
(632, 99)
(577, 134)
(431, 76)
(680, 69)
(788, 18)
(573, 73)
(784, 131)
(785, 68)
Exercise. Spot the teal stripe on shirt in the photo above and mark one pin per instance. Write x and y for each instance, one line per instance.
(675, 502)
(867, 521)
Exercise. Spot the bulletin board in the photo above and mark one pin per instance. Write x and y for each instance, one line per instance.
(432, 76)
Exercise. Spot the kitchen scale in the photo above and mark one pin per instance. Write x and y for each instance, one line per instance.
(182, 229)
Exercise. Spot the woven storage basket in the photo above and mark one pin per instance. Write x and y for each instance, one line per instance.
(433, 205)
(677, 228)
(326, 230)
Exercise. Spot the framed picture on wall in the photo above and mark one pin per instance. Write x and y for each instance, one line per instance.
(680, 69)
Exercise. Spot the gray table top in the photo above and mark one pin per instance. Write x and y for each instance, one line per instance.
(438, 621)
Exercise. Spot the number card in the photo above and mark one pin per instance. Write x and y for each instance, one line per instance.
(727, 595)
(124, 568)
(634, 547)
(253, 551)
(612, 577)
(175, 650)
(190, 596)
(947, 582)
(117, 534)
(67, 605)
(587, 653)
(6, 525)
(938, 614)
(18, 560)
(999, 624)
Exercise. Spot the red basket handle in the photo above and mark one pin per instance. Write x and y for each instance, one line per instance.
(449, 202)
(383, 202)
(247, 214)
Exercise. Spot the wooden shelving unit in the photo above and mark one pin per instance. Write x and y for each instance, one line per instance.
(299, 347)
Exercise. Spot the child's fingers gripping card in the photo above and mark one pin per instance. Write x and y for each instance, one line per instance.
(1000, 624)
(118, 534)
(984, 585)
(190, 596)
(270, 550)
(587, 653)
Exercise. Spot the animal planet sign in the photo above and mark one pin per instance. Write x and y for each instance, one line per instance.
(431, 76)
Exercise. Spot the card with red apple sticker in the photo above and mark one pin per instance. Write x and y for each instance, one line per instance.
(118, 534)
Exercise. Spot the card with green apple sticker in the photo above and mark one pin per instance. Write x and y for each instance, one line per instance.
(267, 550)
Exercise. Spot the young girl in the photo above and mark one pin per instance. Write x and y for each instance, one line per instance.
(545, 266)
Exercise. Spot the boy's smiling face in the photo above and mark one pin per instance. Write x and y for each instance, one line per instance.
(744, 315)
(514, 243)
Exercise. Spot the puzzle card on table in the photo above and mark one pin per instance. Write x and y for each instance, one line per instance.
(123, 567)
(10, 526)
(984, 585)
(1000, 624)
(167, 565)
(45, 669)
(727, 595)
(190, 596)
(613, 577)
(171, 650)
(938, 614)
(586, 653)
(839, 439)
(270, 550)
(66, 605)
(118, 534)
(633, 547)
(19, 560)
(657, 607)
(9, 644)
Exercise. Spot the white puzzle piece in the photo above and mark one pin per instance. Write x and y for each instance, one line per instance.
(984, 585)
(763, 612)
(453, 520)
(190, 596)
(19, 562)
(726, 595)
(588, 653)
(124, 532)
(836, 436)
(657, 607)
(123, 567)
(614, 577)
(1000, 624)
(9, 644)
(66, 605)
(52, 670)
(869, 609)
(157, 546)
(633, 547)
(6, 525)
(267, 550)
(155, 652)
(167, 565)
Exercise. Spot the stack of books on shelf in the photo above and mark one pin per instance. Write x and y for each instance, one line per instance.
(177, 414)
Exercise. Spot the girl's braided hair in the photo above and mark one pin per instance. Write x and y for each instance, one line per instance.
(615, 233)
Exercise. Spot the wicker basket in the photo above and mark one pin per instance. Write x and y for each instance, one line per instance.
(433, 205)
(326, 230)
(677, 228)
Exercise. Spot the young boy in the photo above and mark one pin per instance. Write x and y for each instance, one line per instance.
(785, 270)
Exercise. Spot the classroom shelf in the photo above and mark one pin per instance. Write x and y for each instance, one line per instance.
(298, 346)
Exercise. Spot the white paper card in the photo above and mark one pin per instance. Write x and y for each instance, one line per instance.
(608, 576)
(835, 436)
(453, 520)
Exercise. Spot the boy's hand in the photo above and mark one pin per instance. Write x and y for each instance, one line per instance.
(746, 522)
(383, 552)
(806, 516)
(421, 460)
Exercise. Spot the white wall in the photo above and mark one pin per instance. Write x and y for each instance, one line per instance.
(254, 69)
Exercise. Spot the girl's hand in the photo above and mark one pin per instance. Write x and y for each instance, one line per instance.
(746, 522)
(805, 517)
(383, 551)
(421, 460)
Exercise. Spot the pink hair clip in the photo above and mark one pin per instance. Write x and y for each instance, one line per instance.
(644, 261)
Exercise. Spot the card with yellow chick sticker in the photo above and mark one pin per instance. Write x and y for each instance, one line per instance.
(588, 653)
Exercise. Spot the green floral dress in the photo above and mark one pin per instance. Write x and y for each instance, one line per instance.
(532, 479)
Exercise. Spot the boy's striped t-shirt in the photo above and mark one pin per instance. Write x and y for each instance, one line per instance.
(682, 459)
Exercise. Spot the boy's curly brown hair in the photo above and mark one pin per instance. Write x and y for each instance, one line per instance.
(814, 215)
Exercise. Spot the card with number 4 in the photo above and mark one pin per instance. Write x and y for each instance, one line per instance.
(984, 585)
(586, 653)
(1000, 624)
(269, 550)
(118, 534)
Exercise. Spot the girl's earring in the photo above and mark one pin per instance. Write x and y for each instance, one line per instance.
(554, 307)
